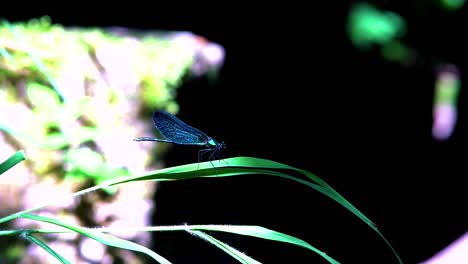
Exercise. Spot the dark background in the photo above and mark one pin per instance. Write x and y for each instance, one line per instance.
(294, 90)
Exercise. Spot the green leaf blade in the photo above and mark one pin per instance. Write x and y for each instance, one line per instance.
(239, 256)
(43, 245)
(12, 161)
(100, 237)
(264, 233)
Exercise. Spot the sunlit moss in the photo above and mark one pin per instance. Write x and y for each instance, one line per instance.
(75, 82)
(159, 63)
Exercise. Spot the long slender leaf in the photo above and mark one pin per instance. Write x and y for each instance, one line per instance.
(236, 166)
(264, 233)
(43, 245)
(12, 161)
(248, 165)
(241, 257)
(100, 237)
(246, 230)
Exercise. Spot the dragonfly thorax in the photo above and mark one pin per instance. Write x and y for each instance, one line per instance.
(214, 143)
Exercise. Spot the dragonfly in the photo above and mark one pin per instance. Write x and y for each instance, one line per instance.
(178, 132)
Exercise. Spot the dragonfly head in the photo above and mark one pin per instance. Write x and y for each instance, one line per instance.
(221, 145)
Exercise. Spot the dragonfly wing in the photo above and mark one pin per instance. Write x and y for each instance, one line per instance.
(177, 131)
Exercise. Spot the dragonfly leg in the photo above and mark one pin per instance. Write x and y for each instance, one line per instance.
(221, 157)
(200, 155)
(211, 157)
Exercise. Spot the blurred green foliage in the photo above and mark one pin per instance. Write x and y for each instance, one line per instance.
(370, 28)
(452, 4)
(368, 25)
(35, 54)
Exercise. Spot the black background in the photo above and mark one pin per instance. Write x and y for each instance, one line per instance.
(294, 90)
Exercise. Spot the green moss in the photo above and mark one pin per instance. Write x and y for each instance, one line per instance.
(38, 50)
(64, 77)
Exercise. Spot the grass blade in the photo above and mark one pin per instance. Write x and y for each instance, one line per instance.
(43, 245)
(264, 233)
(248, 165)
(100, 237)
(12, 161)
(241, 257)
(246, 230)
(236, 167)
